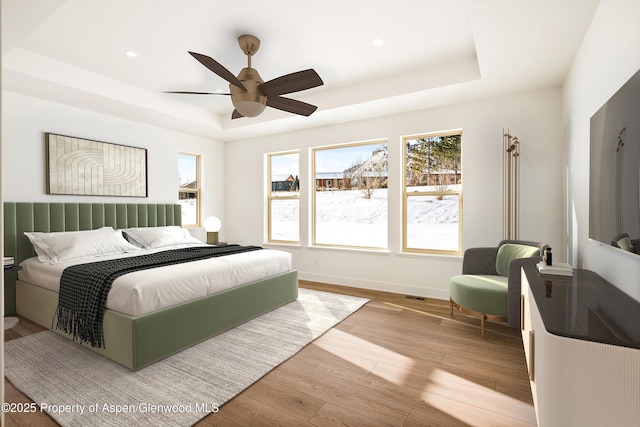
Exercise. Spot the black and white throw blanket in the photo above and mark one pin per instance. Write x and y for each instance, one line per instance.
(84, 288)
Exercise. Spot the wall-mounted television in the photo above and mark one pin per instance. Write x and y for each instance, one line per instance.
(614, 173)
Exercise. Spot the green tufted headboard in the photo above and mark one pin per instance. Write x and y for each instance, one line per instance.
(51, 217)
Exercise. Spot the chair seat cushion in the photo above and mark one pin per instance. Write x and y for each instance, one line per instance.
(481, 293)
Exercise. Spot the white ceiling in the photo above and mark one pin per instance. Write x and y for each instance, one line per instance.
(434, 52)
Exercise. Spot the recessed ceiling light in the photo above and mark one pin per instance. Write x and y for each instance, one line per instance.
(131, 54)
(378, 42)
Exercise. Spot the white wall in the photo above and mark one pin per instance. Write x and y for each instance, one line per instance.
(534, 117)
(27, 119)
(608, 57)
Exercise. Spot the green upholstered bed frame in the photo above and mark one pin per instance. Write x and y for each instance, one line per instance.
(134, 342)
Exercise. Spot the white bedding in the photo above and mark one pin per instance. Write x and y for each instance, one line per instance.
(146, 291)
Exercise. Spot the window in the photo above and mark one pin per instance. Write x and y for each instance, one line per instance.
(189, 188)
(432, 196)
(283, 201)
(350, 198)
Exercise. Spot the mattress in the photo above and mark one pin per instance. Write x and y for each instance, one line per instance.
(143, 292)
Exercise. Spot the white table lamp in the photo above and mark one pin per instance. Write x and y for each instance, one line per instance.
(212, 225)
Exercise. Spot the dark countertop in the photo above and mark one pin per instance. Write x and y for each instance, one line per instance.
(587, 307)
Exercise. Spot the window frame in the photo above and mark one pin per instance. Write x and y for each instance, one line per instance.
(197, 190)
(407, 194)
(271, 198)
(314, 191)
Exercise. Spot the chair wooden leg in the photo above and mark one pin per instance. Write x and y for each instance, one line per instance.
(482, 316)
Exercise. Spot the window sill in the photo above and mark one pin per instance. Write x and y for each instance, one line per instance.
(287, 245)
(370, 251)
(446, 257)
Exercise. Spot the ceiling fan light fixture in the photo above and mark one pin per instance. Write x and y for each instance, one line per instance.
(248, 104)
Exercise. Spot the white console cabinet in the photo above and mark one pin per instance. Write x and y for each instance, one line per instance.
(583, 356)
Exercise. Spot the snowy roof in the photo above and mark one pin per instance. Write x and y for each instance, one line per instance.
(277, 178)
(329, 175)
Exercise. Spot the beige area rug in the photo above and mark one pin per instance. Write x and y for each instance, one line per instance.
(78, 387)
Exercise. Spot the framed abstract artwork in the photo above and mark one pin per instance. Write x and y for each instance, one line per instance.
(84, 167)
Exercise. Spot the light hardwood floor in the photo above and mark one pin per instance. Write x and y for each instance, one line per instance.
(398, 361)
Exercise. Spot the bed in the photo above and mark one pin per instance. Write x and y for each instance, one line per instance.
(138, 336)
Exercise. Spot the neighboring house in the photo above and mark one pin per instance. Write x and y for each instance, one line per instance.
(339, 180)
(192, 184)
(282, 182)
(442, 178)
(331, 180)
(371, 179)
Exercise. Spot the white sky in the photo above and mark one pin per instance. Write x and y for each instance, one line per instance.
(186, 168)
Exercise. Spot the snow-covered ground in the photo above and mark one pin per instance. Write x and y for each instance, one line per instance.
(347, 218)
(189, 215)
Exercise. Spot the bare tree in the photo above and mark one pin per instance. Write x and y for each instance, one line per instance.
(368, 175)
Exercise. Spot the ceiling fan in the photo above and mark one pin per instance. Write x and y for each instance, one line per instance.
(250, 95)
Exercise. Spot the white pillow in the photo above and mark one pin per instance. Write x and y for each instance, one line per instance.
(38, 245)
(66, 245)
(157, 237)
(41, 241)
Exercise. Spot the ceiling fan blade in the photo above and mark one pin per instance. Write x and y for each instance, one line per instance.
(236, 114)
(293, 82)
(194, 93)
(291, 105)
(214, 66)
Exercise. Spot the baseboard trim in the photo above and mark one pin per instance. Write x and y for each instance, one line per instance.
(396, 288)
